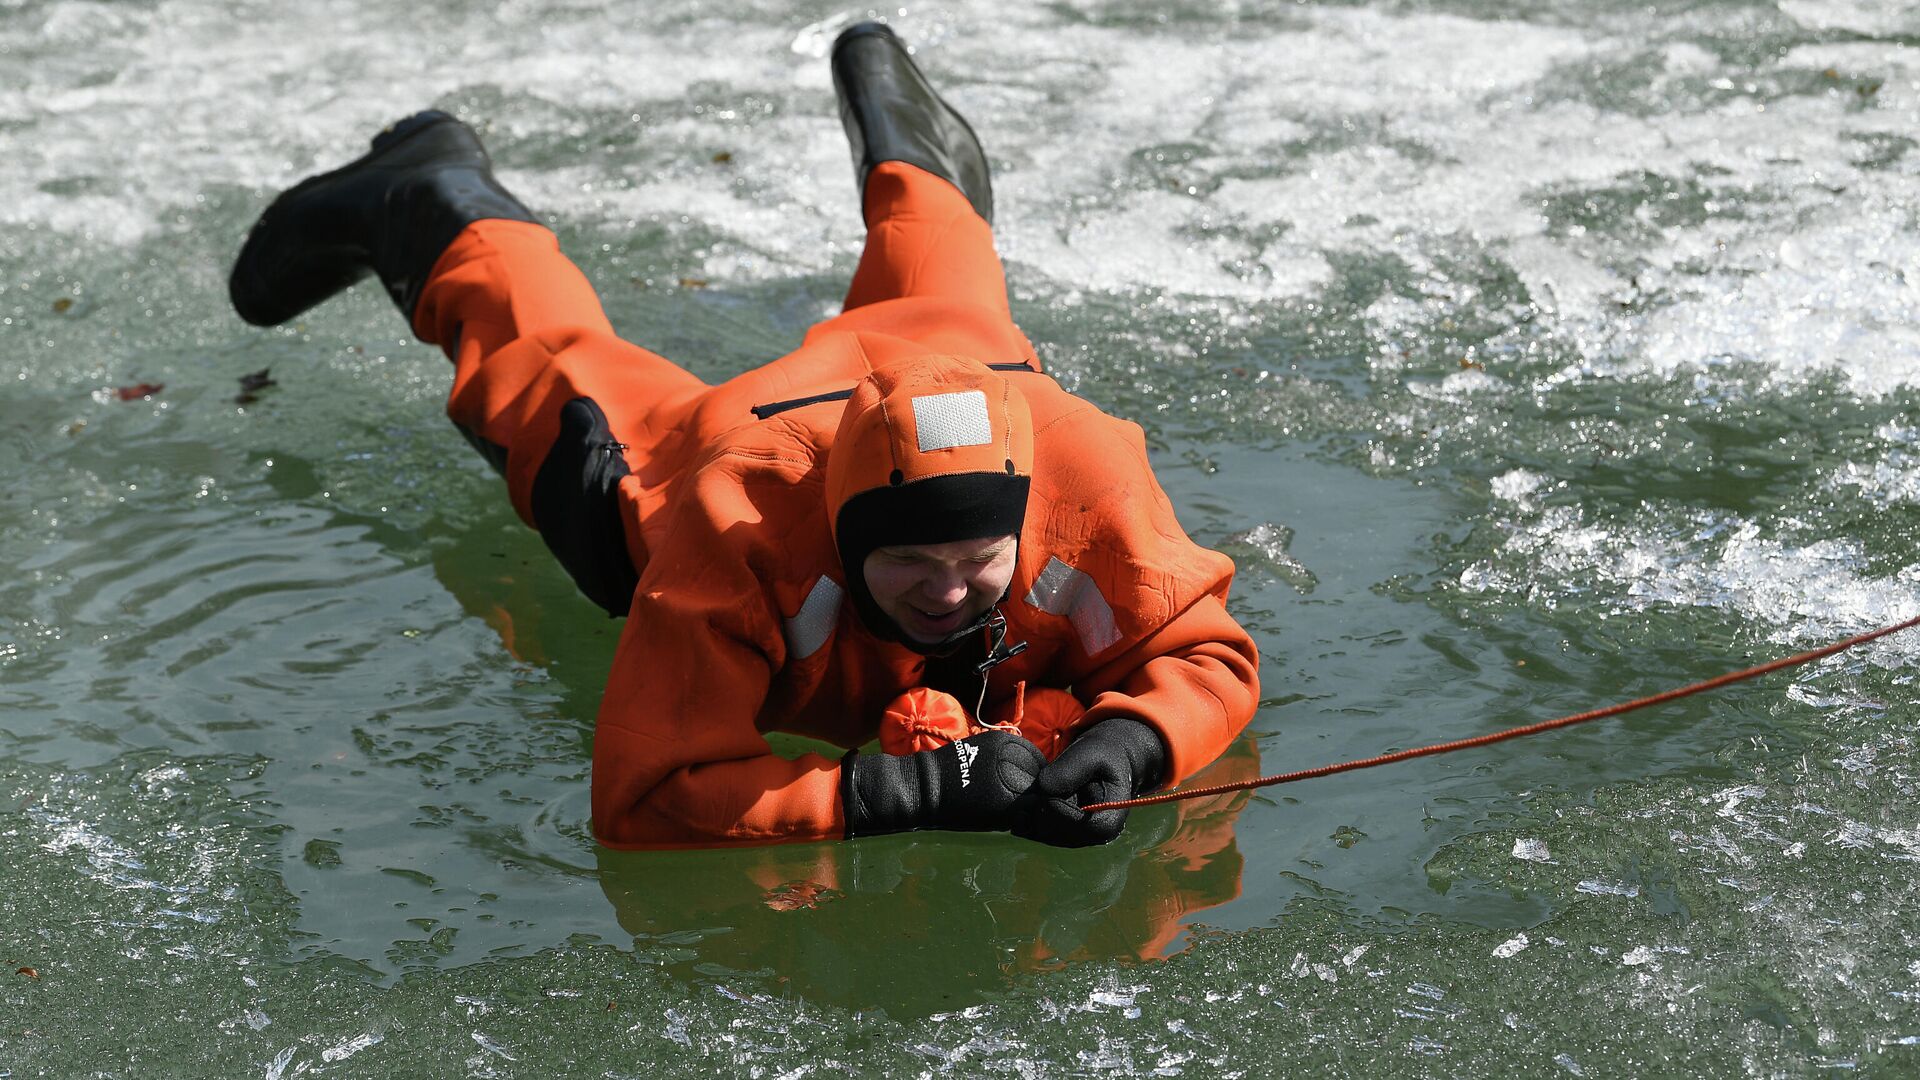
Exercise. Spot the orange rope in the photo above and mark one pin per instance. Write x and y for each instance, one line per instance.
(1511, 733)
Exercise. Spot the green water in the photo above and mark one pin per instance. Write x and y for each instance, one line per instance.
(1526, 357)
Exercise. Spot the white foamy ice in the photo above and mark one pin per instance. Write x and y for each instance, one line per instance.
(1459, 386)
(1874, 17)
(1119, 998)
(343, 1050)
(1511, 947)
(1888, 481)
(1648, 955)
(1807, 593)
(1265, 235)
(1531, 850)
(1515, 485)
(1167, 240)
(1829, 292)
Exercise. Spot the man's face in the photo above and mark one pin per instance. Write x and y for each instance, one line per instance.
(932, 590)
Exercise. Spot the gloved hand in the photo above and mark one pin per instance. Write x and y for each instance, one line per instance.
(977, 784)
(1117, 758)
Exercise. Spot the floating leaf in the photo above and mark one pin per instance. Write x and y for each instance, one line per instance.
(251, 384)
(63, 305)
(693, 283)
(140, 390)
(27, 971)
(723, 157)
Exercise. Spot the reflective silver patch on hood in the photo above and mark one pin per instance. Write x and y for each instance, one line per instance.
(947, 421)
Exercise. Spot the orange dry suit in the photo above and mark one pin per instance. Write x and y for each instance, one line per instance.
(708, 514)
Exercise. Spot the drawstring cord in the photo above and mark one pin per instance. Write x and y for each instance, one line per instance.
(1513, 733)
(998, 652)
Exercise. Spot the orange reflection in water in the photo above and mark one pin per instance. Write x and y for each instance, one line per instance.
(925, 922)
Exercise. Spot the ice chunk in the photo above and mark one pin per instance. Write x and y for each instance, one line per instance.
(1531, 850)
(1120, 998)
(345, 1050)
(1515, 485)
(1511, 946)
(1266, 546)
(492, 1047)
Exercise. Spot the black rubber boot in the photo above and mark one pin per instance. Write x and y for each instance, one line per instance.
(892, 114)
(391, 213)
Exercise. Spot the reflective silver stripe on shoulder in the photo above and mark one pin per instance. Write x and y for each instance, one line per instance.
(1062, 590)
(812, 625)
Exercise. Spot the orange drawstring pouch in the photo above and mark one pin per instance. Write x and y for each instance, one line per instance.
(1043, 715)
(924, 719)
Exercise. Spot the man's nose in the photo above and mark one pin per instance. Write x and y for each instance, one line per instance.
(947, 586)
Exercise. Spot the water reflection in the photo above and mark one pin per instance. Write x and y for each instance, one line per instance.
(921, 923)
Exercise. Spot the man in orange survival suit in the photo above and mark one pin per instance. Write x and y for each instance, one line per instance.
(903, 505)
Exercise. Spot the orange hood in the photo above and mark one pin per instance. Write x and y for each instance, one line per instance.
(929, 450)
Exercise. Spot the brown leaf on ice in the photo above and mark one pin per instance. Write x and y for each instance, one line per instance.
(140, 390)
(693, 283)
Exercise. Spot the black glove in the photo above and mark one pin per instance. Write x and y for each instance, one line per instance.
(1117, 758)
(979, 783)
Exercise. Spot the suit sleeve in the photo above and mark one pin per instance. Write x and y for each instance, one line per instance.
(1195, 681)
(1150, 614)
(678, 758)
